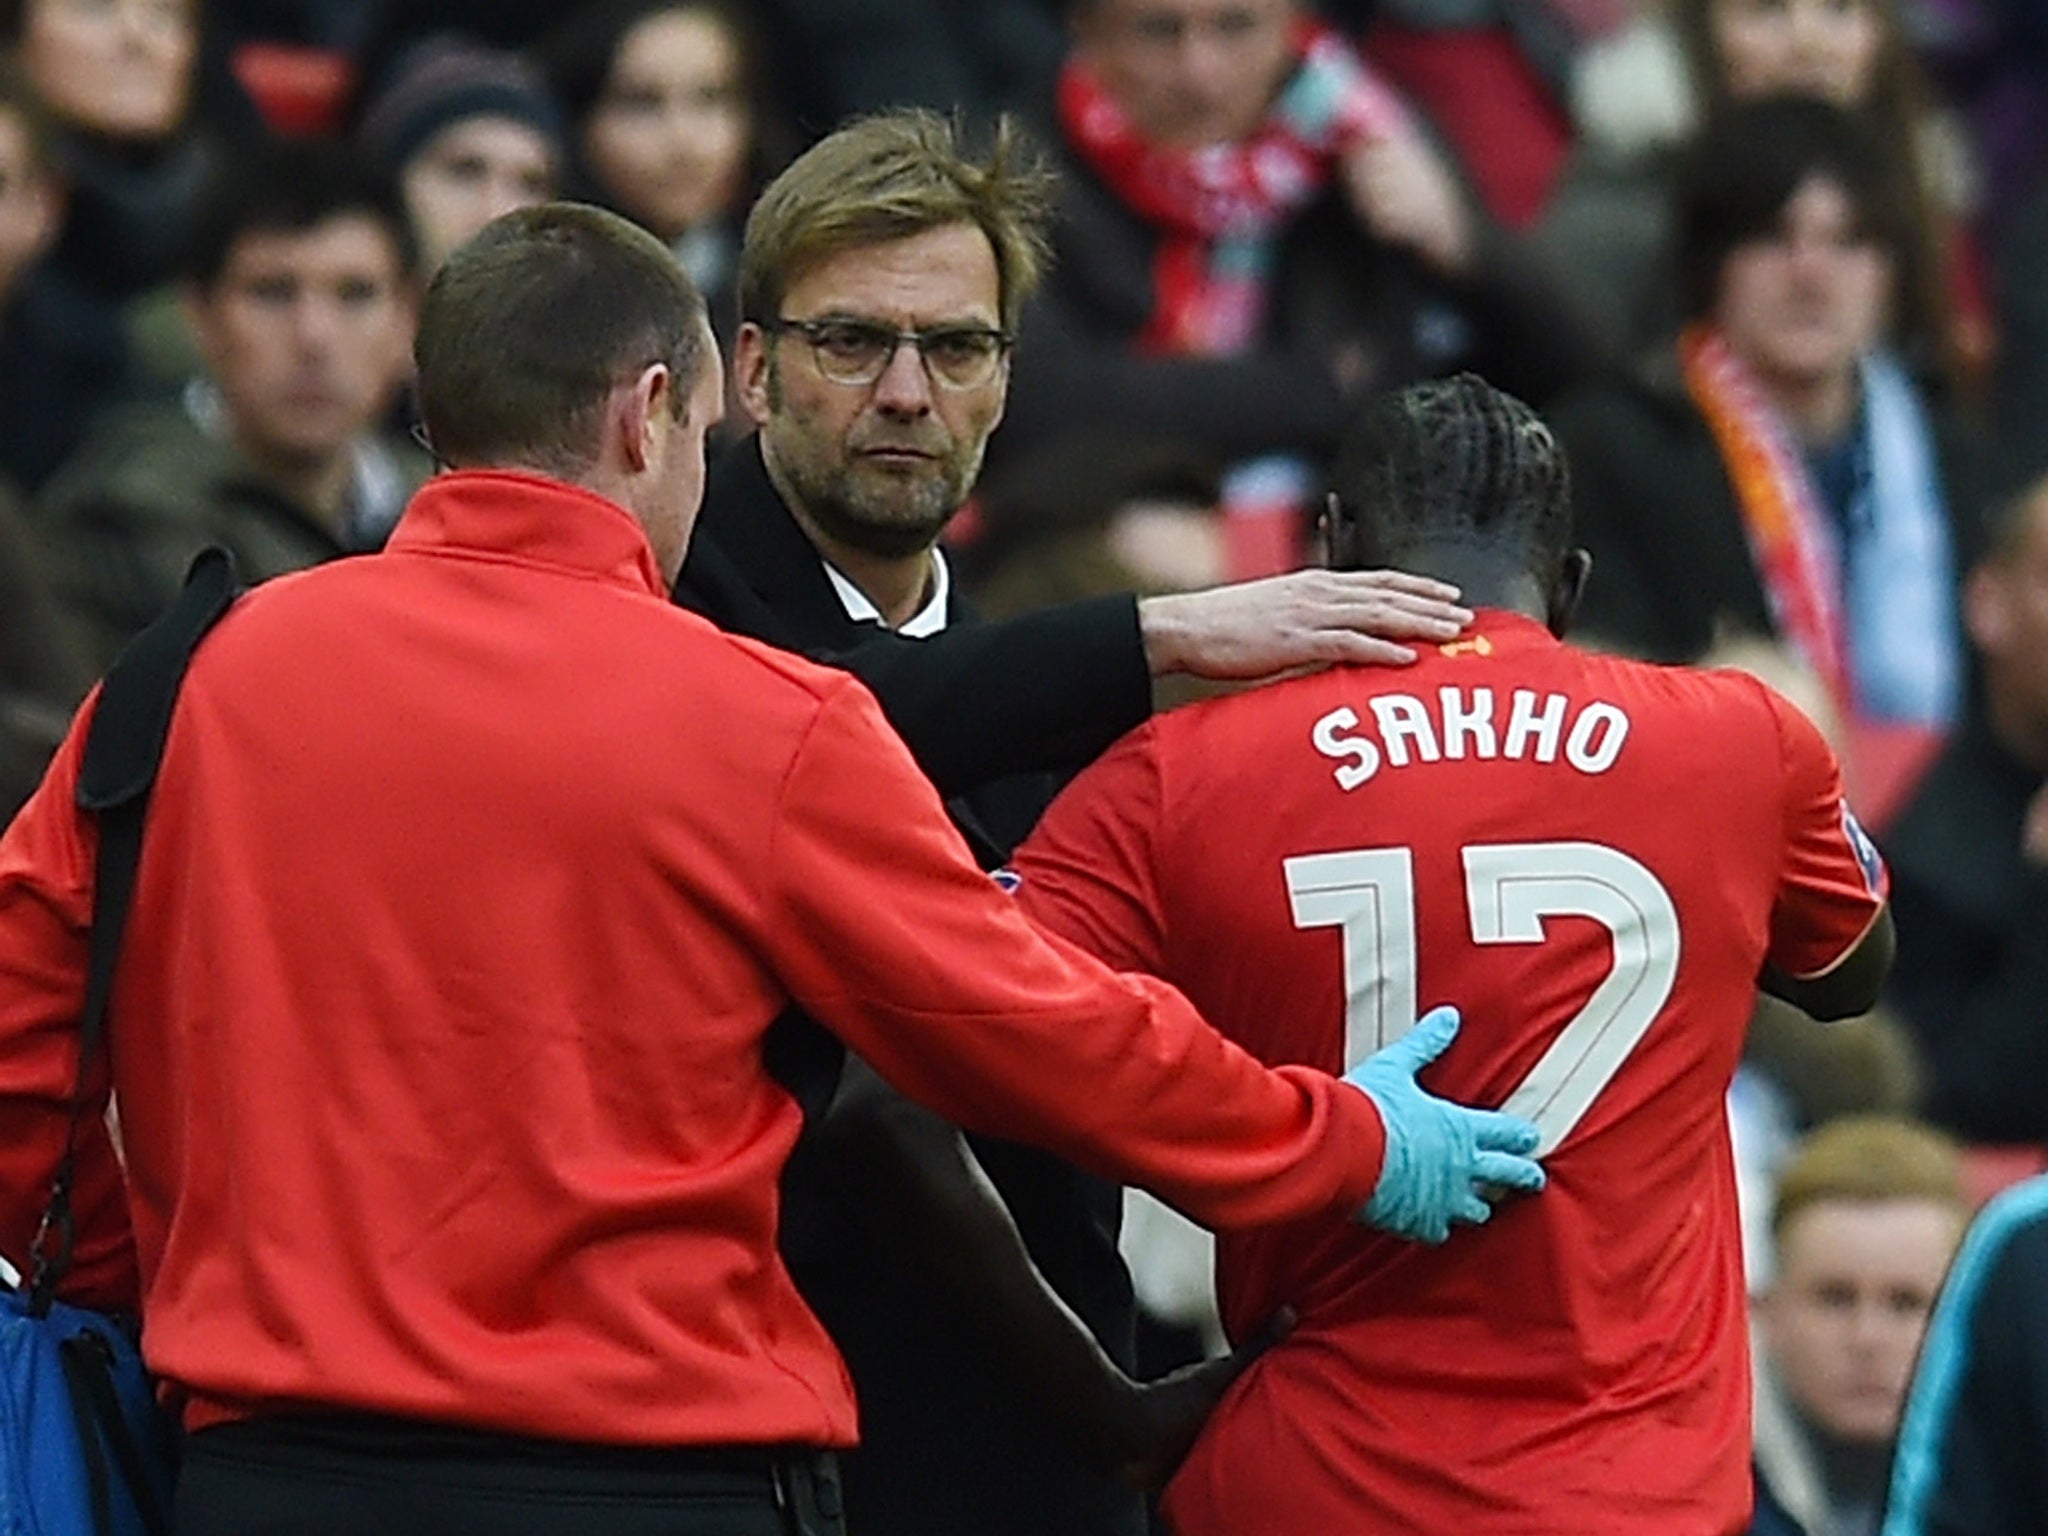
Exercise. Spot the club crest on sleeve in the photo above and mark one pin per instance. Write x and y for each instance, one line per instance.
(1868, 859)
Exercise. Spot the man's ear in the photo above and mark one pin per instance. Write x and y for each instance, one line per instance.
(645, 414)
(1570, 587)
(750, 368)
(1342, 539)
(1987, 609)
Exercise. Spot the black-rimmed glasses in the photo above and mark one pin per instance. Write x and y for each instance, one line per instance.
(857, 351)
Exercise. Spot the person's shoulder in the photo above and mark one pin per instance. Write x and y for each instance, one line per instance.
(732, 675)
(1723, 711)
(1203, 750)
(54, 318)
(1242, 714)
(766, 682)
(1645, 394)
(1962, 821)
(140, 456)
(2008, 1239)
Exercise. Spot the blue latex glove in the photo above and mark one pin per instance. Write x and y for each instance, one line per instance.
(1440, 1156)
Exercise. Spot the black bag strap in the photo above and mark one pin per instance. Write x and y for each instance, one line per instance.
(102, 1427)
(99, 1482)
(123, 747)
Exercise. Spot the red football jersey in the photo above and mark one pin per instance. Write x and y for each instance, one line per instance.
(1593, 859)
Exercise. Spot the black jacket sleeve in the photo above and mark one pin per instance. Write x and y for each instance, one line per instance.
(975, 702)
(1978, 1001)
(1044, 690)
(1972, 969)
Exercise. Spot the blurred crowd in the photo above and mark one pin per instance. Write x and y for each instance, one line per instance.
(1776, 270)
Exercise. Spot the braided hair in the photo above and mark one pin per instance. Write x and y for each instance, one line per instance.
(1454, 461)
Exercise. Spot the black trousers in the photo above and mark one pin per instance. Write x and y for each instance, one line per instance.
(358, 1477)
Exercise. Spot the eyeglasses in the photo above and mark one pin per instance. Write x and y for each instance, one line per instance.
(858, 351)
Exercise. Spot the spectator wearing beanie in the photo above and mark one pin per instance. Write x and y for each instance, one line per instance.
(468, 132)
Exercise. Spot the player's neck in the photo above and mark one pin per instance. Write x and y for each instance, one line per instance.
(1482, 578)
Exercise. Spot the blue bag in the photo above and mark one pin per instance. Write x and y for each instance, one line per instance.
(84, 1448)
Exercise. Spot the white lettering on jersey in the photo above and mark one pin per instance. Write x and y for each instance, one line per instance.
(1525, 725)
(1590, 736)
(1330, 744)
(1510, 888)
(1402, 720)
(1606, 723)
(1474, 723)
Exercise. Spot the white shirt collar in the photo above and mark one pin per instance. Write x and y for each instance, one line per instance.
(928, 620)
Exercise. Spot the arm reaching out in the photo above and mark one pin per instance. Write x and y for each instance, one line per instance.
(1444, 1162)
(1308, 618)
(919, 1177)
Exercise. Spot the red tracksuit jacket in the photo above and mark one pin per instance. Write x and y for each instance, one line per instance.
(475, 872)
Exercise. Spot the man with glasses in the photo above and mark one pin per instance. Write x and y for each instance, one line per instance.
(880, 282)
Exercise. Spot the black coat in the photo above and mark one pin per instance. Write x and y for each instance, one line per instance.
(1971, 976)
(43, 667)
(1652, 499)
(947, 1445)
(1653, 502)
(974, 704)
(1342, 304)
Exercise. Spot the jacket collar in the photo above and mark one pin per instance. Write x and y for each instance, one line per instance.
(532, 520)
(745, 516)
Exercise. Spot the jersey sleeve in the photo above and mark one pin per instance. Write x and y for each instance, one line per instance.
(1832, 882)
(885, 931)
(1088, 871)
(46, 879)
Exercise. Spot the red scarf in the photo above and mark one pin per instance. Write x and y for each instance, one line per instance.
(1797, 558)
(1219, 208)
(1789, 536)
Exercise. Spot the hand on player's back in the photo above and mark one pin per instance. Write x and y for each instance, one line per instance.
(1443, 1160)
(1256, 629)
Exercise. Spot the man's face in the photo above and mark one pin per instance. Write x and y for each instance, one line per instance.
(306, 334)
(1804, 300)
(1856, 1280)
(880, 467)
(118, 67)
(1190, 72)
(2005, 606)
(469, 173)
(29, 203)
(1824, 48)
(668, 139)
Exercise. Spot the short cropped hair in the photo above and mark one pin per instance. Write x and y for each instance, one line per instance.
(1455, 459)
(292, 186)
(1867, 1158)
(530, 325)
(889, 177)
(1737, 176)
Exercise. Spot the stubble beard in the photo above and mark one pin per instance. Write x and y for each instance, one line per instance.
(890, 514)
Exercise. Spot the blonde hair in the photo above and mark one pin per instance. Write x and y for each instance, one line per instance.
(1864, 1158)
(889, 177)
